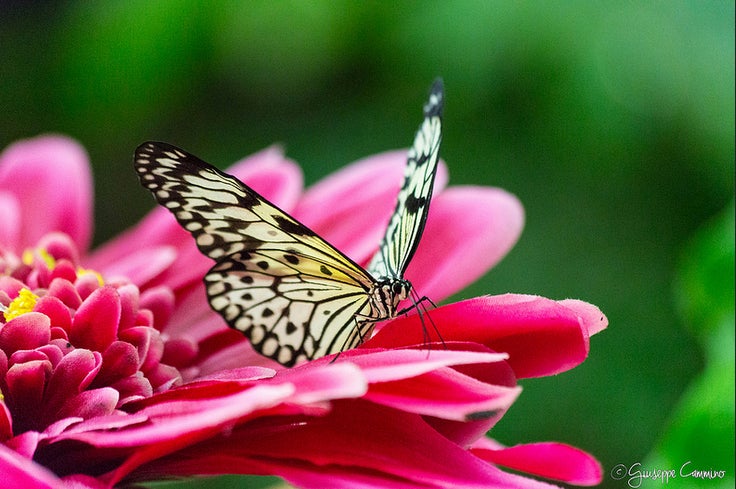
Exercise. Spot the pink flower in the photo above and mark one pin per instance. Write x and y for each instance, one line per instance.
(129, 376)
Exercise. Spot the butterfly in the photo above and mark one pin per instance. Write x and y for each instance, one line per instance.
(295, 296)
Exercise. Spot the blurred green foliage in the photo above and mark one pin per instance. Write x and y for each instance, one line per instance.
(612, 121)
(701, 428)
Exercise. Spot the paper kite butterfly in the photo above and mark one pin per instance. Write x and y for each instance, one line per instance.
(290, 292)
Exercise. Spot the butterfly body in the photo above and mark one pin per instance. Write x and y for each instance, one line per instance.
(288, 290)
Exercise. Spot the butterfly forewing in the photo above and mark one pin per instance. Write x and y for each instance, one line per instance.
(288, 290)
(407, 221)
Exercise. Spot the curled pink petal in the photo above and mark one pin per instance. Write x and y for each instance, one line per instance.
(160, 301)
(129, 299)
(541, 336)
(550, 460)
(90, 403)
(65, 291)
(25, 332)
(25, 382)
(50, 177)
(119, 360)
(468, 231)
(95, 324)
(74, 373)
(591, 316)
(11, 286)
(55, 311)
(445, 394)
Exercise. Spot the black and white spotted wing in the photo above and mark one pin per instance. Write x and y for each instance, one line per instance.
(290, 292)
(412, 206)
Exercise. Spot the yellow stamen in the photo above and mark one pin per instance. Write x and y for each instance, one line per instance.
(25, 302)
(28, 257)
(83, 271)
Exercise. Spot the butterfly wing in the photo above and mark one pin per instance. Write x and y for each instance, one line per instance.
(410, 214)
(293, 294)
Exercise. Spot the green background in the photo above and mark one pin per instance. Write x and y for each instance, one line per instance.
(613, 122)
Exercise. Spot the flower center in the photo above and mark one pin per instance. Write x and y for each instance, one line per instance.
(72, 346)
(22, 304)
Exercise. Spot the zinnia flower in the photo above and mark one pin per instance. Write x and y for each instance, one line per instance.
(113, 369)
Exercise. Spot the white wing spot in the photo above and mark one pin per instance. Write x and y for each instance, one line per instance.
(205, 240)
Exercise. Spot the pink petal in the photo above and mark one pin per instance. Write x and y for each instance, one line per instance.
(19, 471)
(95, 325)
(550, 460)
(10, 223)
(11, 286)
(25, 388)
(148, 342)
(86, 284)
(592, 317)
(179, 417)
(25, 332)
(344, 449)
(65, 292)
(541, 336)
(50, 177)
(61, 247)
(25, 444)
(56, 311)
(468, 231)
(89, 403)
(132, 388)
(160, 301)
(232, 356)
(81, 481)
(391, 365)
(140, 266)
(179, 352)
(163, 377)
(351, 207)
(6, 422)
(445, 394)
(72, 375)
(129, 299)
(119, 360)
(179, 421)
(315, 383)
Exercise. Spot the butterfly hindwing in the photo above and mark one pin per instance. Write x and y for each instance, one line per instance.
(410, 214)
(288, 290)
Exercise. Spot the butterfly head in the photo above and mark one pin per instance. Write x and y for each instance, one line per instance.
(387, 294)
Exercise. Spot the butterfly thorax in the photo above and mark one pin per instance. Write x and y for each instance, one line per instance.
(386, 295)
